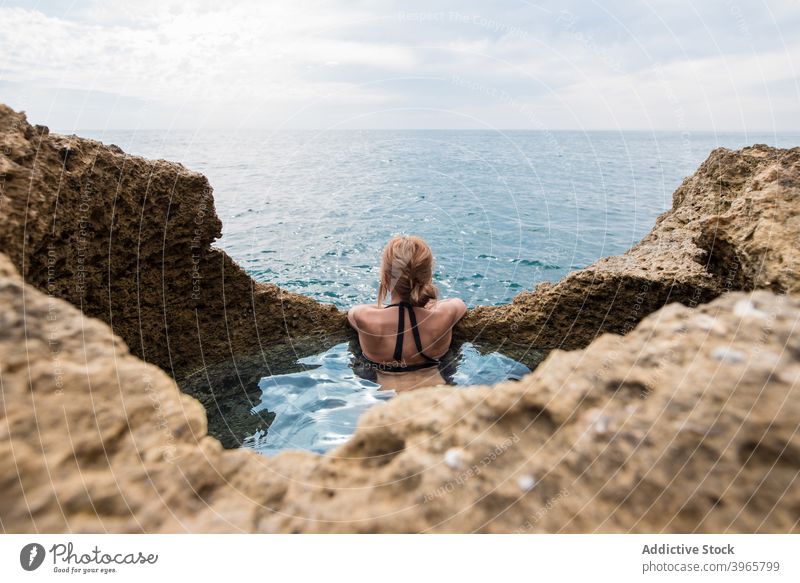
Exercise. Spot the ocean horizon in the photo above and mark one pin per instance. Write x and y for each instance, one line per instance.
(502, 210)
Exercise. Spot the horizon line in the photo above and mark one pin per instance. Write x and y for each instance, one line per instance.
(498, 130)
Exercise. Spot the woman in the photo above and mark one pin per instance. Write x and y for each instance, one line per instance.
(405, 340)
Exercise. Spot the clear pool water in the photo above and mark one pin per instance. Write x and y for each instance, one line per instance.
(318, 408)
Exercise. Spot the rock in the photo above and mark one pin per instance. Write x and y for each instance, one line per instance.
(92, 439)
(688, 422)
(751, 242)
(734, 224)
(128, 240)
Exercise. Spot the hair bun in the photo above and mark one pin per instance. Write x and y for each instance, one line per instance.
(407, 271)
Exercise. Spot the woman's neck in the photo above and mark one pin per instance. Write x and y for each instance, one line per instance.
(397, 299)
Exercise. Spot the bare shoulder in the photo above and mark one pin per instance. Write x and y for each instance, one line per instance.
(451, 308)
(361, 314)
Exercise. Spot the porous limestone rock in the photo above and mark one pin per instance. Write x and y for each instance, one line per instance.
(92, 439)
(734, 224)
(754, 241)
(687, 424)
(128, 240)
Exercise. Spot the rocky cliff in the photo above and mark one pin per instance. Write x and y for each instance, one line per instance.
(687, 422)
(733, 225)
(129, 241)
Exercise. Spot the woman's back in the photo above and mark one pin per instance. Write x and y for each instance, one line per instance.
(408, 336)
(379, 329)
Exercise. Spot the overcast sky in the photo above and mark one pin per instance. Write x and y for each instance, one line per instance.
(672, 64)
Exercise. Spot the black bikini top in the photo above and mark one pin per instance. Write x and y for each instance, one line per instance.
(398, 365)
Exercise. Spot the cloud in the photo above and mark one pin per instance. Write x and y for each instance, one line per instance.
(316, 63)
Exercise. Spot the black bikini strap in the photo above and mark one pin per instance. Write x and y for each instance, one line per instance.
(415, 332)
(398, 347)
(414, 329)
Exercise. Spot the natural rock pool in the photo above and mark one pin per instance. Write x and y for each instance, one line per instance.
(659, 408)
(318, 408)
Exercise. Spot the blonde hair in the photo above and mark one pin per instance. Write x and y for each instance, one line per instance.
(407, 271)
